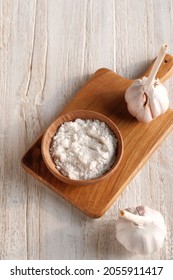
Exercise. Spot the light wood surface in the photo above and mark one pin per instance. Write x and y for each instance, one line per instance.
(103, 93)
(48, 50)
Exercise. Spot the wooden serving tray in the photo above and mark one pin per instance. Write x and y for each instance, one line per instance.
(104, 93)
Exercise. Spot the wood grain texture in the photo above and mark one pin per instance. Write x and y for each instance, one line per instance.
(48, 49)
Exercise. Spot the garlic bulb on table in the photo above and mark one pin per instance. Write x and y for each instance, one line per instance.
(147, 98)
(141, 230)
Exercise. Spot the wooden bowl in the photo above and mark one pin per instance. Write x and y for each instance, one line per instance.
(71, 116)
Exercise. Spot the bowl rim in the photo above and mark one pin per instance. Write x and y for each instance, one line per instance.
(71, 116)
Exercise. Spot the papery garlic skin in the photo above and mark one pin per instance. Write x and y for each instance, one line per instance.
(141, 230)
(146, 106)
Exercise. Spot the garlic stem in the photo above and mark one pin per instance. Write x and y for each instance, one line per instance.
(155, 68)
(136, 219)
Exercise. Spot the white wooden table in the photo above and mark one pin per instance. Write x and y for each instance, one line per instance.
(48, 50)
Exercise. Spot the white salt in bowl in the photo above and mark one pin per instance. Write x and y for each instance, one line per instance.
(72, 116)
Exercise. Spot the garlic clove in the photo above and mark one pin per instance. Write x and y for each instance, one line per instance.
(137, 102)
(141, 230)
(158, 104)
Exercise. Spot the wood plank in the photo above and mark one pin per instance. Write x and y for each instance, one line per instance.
(17, 45)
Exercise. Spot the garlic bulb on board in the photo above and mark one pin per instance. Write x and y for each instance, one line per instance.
(141, 230)
(147, 98)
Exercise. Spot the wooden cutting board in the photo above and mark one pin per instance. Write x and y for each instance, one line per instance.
(104, 93)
